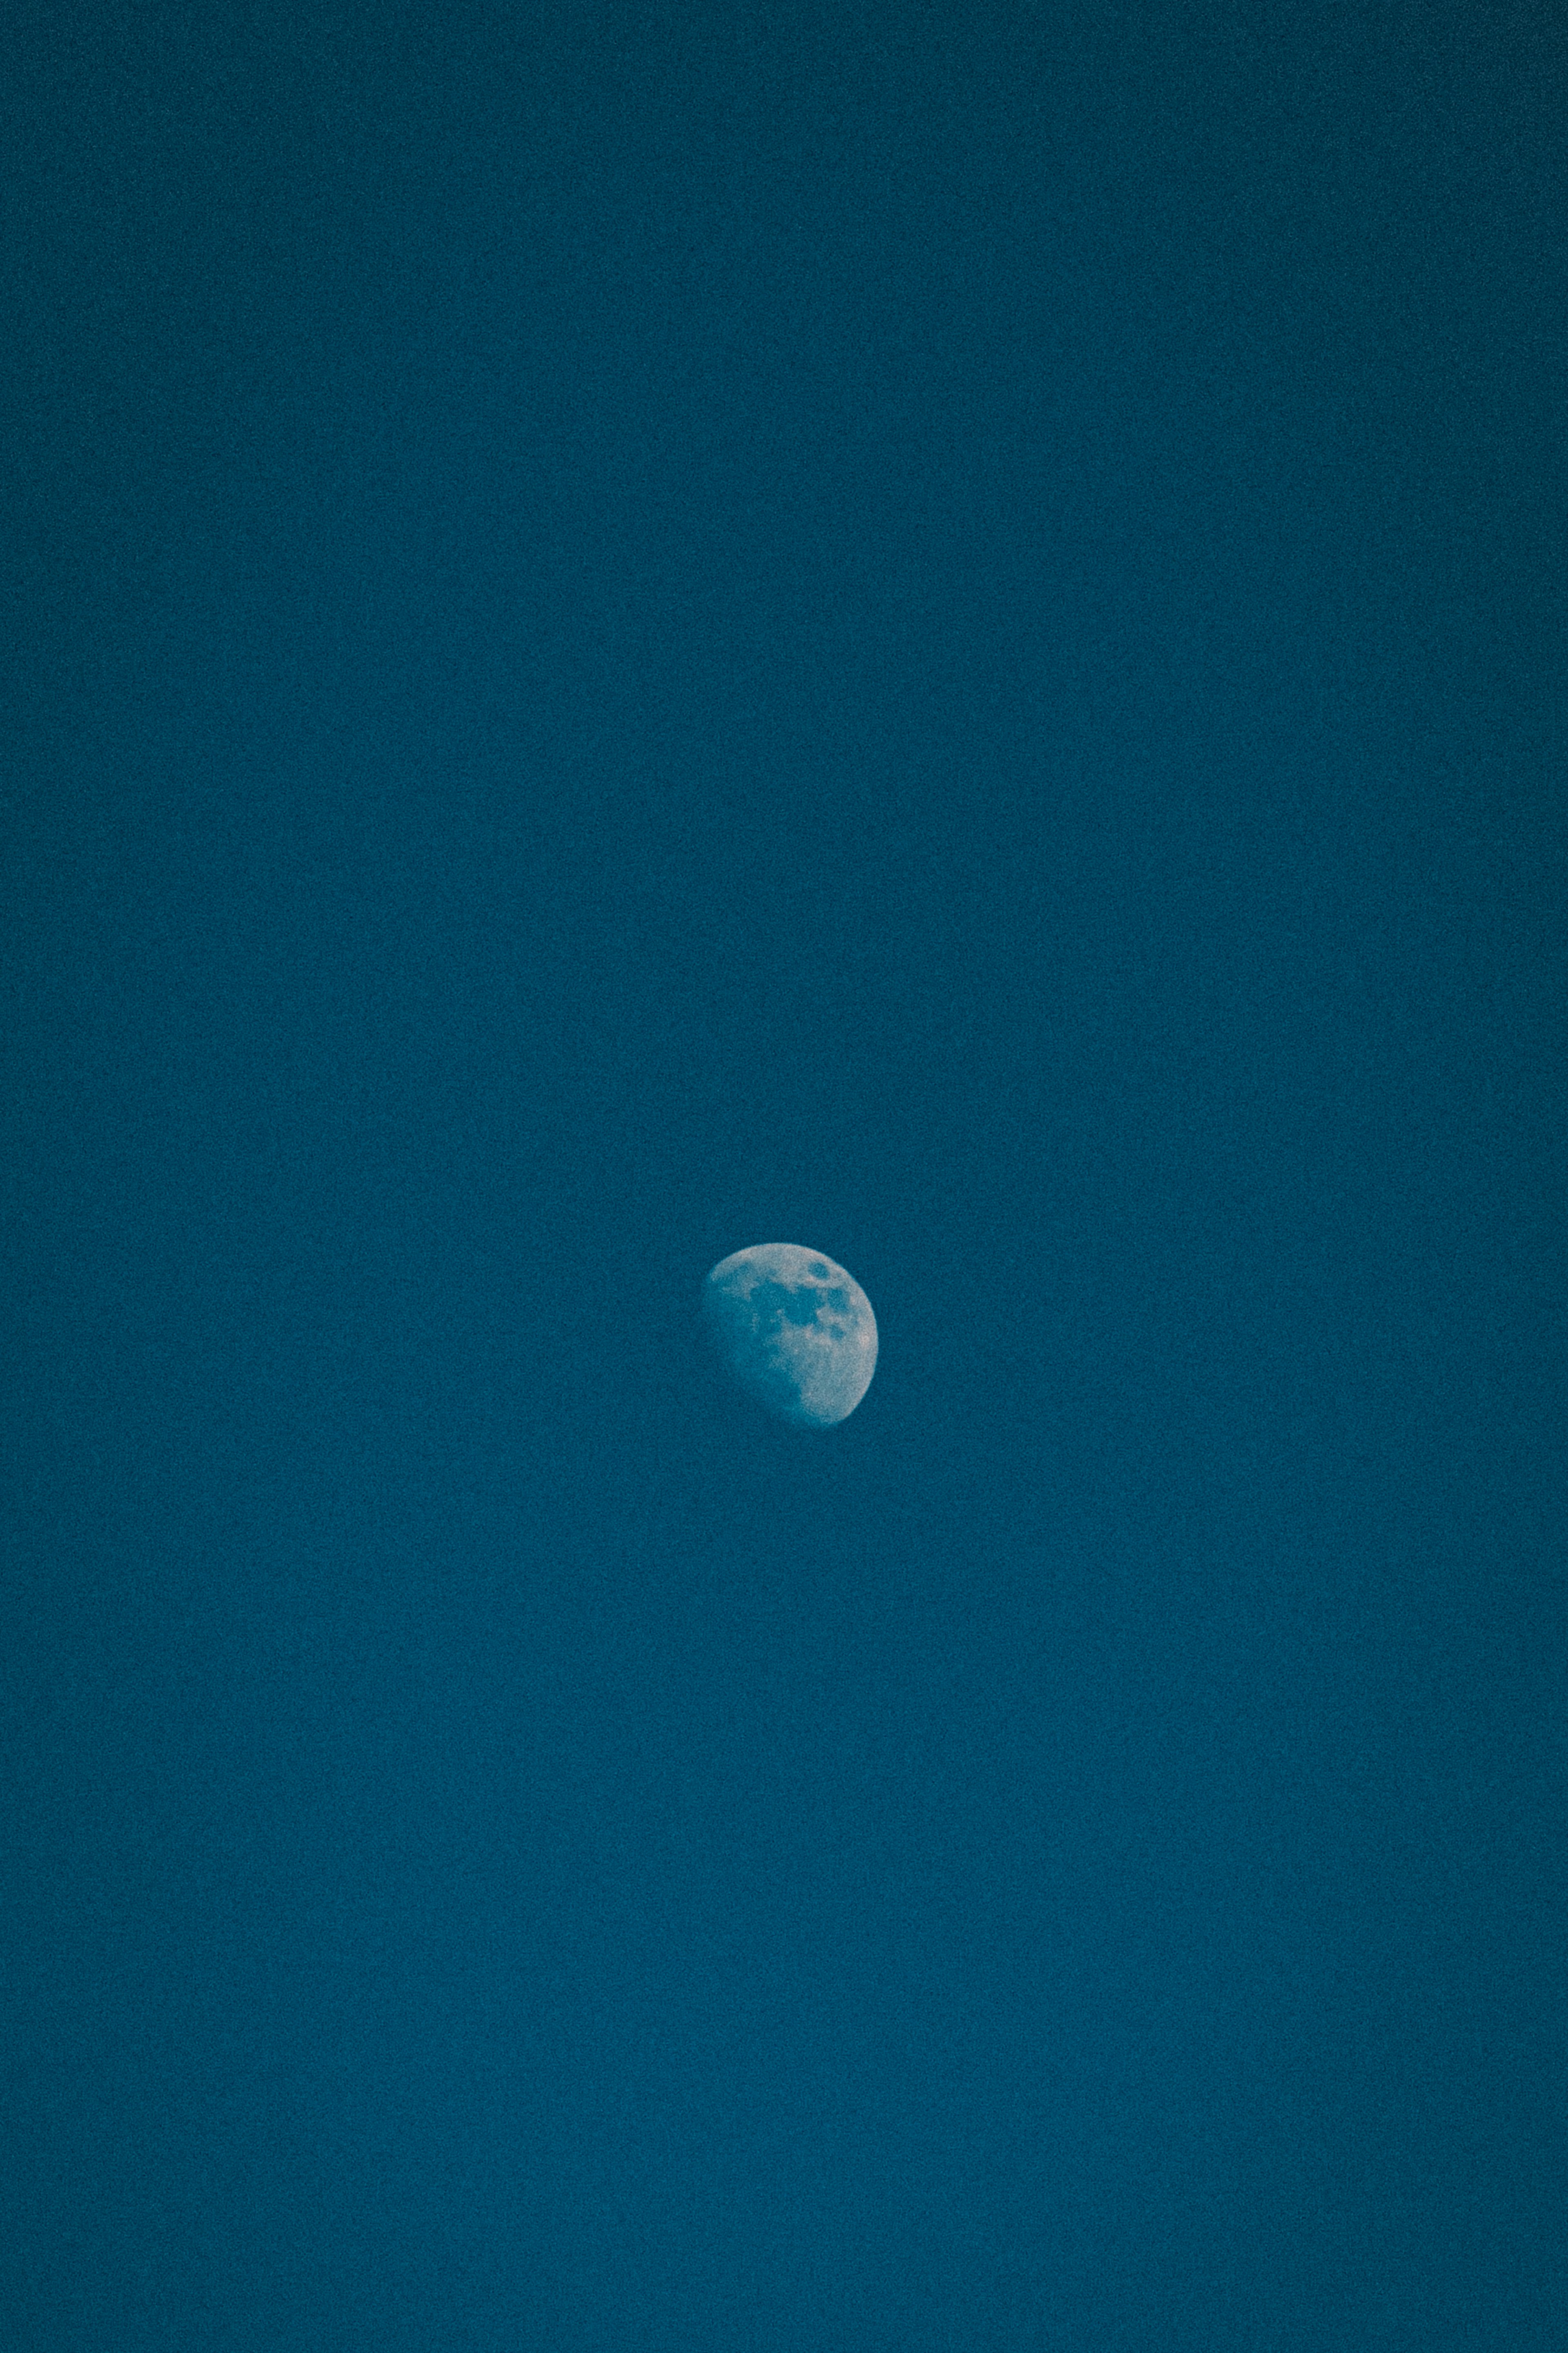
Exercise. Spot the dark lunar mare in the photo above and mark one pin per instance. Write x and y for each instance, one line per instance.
(743, 1330)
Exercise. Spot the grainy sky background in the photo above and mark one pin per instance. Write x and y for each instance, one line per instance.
(932, 630)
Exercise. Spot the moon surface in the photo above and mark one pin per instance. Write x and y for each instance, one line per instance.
(795, 1330)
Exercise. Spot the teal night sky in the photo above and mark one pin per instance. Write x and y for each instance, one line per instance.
(933, 630)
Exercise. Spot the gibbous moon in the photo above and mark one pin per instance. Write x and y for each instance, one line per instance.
(795, 1330)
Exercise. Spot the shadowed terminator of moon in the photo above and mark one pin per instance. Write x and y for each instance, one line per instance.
(793, 1329)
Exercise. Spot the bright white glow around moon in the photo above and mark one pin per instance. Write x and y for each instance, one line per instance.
(795, 1330)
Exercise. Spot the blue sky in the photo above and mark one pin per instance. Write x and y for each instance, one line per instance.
(934, 632)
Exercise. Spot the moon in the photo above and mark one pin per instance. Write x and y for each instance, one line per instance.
(795, 1330)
